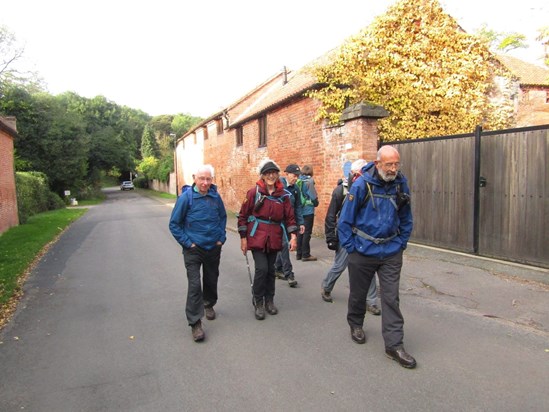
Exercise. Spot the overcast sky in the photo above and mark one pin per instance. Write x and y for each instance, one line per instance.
(196, 57)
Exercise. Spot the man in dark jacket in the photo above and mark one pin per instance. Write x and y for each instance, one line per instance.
(198, 223)
(374, 226)
(283, 264)
(341, 256)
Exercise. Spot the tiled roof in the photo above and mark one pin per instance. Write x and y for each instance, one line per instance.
(272, 95)
(275, 92)
(527, 73)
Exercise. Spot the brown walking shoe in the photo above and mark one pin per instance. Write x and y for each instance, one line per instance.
(308, 259)
(198, 333)
(210, 313)
(401, 356)
(373, 309)
(271, 308)
(259, 311)
(358, 335)
(326, 296)
(291, 281)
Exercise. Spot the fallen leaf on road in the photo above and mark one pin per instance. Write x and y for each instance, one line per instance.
(132, 337)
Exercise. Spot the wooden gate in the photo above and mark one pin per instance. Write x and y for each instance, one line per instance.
(484, 192)
(514, 201)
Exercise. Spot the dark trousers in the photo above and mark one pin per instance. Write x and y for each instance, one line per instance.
(264, 277)
(198, 295)
(361, 271)
(304, 240)
(283, 262)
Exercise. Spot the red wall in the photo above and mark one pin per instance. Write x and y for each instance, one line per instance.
(8, 198)
(292, 137)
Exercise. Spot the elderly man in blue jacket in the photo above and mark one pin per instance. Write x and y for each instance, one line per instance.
(374, 227)
(198, 223)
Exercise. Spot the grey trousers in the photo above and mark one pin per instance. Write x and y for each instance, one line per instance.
(341, 262)
(361, 271)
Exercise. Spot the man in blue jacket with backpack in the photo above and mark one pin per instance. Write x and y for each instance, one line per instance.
(374, 227)
(198, 223)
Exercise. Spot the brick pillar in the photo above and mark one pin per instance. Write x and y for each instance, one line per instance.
(356, 138)
(362, 129)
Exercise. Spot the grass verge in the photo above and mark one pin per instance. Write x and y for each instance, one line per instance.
(21, 247)
(154, 193)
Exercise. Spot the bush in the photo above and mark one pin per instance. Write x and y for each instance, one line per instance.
(141, 182)
(34, 195)
(89, 192)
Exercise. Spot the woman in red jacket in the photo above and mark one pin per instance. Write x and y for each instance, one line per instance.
(265, 218)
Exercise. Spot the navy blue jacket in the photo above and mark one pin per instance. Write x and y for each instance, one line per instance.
(295, 199)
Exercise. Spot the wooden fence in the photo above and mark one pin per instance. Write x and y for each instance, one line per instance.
(484, 193)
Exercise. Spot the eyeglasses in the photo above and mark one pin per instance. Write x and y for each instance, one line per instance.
(270, 173)
(395, 165)
(204, 179)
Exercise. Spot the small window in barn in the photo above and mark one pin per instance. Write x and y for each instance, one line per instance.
(219, 126)
(239, 136)
(262, 131)
(205, 130)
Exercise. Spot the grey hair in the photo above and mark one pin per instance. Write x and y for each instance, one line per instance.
(357, 165)
(206, 167)
(384, 148)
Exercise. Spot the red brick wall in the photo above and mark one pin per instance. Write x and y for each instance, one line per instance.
(292, 137)
(8, 198)
(533, 109)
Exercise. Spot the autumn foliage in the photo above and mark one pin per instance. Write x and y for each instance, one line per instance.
(417, 63)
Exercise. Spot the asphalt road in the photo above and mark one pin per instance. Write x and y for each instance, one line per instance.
(102, 328)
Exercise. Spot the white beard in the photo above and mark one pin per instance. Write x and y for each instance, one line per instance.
(385, 177)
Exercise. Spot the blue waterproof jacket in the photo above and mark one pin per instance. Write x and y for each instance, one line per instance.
(370, 222)
(201, 220)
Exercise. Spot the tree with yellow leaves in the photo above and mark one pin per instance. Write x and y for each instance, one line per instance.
(417, 62)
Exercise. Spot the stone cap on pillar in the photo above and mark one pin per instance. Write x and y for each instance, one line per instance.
(9, 124)
(367, 110)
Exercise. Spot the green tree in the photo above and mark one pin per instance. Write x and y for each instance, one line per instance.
(162, 125)
(415, 61)
(149, 146)
(502, 42)
(61, 149)
(182, 123)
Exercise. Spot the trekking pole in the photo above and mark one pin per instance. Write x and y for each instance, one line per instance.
(250, 276)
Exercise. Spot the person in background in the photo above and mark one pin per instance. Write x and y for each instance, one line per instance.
(283, 264)
(341, 256)
(309, 200)
(198, 223)
(374, 227)
(266, 217)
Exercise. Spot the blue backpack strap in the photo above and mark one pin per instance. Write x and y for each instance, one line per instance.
(188, 191)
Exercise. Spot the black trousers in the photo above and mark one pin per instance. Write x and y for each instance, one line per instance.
(198, 295)
(264, 277)
(304, 240)
(361, 271)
